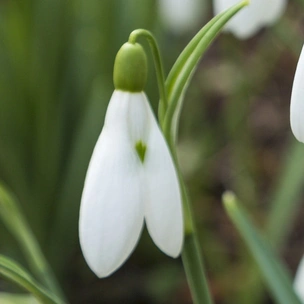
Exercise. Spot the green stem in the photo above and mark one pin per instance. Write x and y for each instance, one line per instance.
(163, 104)
(194, 269)
(191, 254)
(18, 226)
(192, 260)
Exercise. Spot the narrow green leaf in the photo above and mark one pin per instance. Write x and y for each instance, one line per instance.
(187, 52)
(195, 272)
(285, 199)
(186, 64)
(15, 273)
(16, 223)
(12, 298)
(273, 271)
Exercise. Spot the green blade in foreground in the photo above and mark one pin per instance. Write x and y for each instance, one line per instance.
(274, 273)
(16, 223)
(285, 202)
(11, 298)
(15, 273)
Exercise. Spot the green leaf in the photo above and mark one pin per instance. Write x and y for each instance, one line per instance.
(15, 273)
(285, 200)
(185, 65)
(11, 298)
(273, 271)
(16, 223)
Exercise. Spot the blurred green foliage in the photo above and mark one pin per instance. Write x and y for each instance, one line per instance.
(56, 60)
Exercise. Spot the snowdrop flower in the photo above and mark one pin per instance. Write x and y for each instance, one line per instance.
(252, 18)
(299, 281)
(180, 16)
(131, 176)
(297, 101)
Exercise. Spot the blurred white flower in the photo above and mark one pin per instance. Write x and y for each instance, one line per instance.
(131, 177)
(181, 16)
(297, 101)
(252, 18)
(299, 281)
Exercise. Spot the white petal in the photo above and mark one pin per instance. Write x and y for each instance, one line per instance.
(297, 101)
(111, 214)
(246, 22)
(252, 18)
(299, 281)
(274, 10)
(180, 15)
(163, 205)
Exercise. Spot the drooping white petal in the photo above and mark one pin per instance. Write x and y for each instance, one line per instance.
(112, 212)
(163, 206)
(252, 18)
(274, 10)
(297, 101)
(180, 16)
(299, 281)
(246, 22)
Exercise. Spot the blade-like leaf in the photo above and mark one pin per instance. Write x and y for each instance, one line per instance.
(13, 272)
(274, 273)
(186, 64)
(187, 52)
(16, 223)
(285, 200)
(11, 298)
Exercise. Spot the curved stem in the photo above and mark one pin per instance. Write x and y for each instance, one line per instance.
(163, 104)
(192, 256)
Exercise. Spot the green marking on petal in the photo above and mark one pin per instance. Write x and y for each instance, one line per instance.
(141, 149)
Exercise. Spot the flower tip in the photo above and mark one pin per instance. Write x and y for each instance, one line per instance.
(172, 247)
(100, 267)
(103, 274)
(172, 252)
(177, 252)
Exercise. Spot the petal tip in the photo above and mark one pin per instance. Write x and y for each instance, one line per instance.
(176, 253)
(101, 268)
(171, 248)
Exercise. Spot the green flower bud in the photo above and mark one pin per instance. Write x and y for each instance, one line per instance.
(130, 68)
